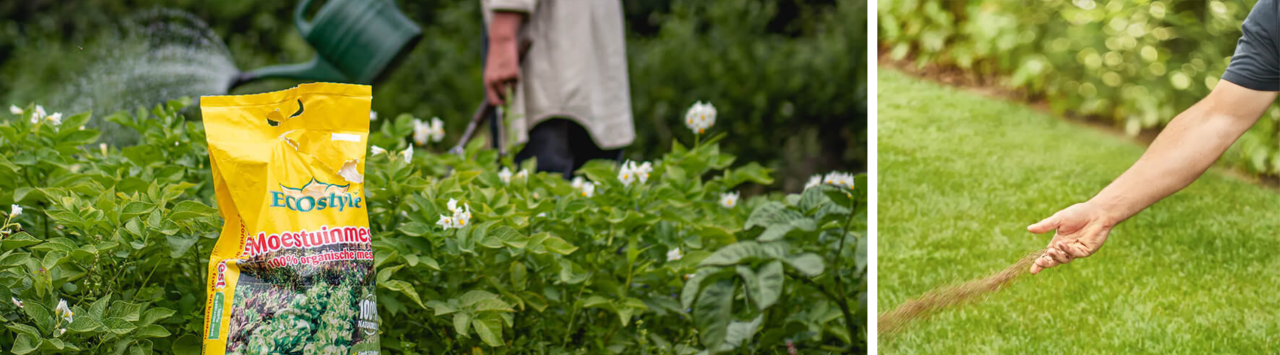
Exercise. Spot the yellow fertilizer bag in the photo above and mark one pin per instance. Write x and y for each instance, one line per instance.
(292, 272)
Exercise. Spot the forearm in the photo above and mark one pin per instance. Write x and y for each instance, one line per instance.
(504, 27)
(1180, 154)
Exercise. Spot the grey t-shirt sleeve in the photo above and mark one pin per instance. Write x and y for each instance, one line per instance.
(1256, 63)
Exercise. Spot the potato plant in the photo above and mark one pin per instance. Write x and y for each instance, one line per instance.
(644, 259)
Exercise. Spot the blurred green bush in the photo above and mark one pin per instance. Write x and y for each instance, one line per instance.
(1136, 63)
(788, 77)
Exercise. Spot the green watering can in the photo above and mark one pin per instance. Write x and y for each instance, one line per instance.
(356, 41)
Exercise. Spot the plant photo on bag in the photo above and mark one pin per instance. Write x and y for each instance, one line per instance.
(478, 177)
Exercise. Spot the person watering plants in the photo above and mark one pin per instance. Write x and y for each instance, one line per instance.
(1183, 150)
(571, 102)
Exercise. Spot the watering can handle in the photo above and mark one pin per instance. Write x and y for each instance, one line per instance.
(299, 17)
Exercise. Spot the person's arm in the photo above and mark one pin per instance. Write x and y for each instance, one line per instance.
(1182, 152)
(1179, 155)
(502, 66)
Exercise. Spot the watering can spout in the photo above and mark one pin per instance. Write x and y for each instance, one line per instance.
(356, 41)
(314, 70)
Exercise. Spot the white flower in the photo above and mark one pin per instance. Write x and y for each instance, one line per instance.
(445, 221)
(56, 118)
(436, 129)
(37, 115)
(505, 175)
(373, 115)
(14, 109)
(700, 117)
(64, 311)
(424, 132)
(674, 254)
(642, 172)
(62, 331)
(16, 302)
(728, 200)
(378, 150)
(631, 172)
(15, 210)
(586, 188)
(408, 154)
(839, 179)
(813, 181)
(522, 174)
(103, 147)
(460, 216)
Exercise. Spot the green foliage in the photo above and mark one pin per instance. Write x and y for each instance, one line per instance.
(1136, 63)
(754, 60)
(123, 235)
(788, 245)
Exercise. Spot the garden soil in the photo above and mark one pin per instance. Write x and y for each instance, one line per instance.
(938, 299)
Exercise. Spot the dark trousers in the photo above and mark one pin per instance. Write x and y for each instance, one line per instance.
(563, 146)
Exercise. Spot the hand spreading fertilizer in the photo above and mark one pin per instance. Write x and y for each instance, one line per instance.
(292, 272)
(938, 299)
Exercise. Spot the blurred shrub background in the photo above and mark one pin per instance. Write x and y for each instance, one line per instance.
(788, 77)
(1134, 63)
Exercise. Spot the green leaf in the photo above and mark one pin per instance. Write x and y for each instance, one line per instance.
(736, 253)
(489, 331)
(415, 229)
(713, 311)
(191, 209)
(599, 170)
(430, 262)
(571, 273)
(25, 344)
(471, 298)
(152, 331)
(40, 314)
(777, 231)
(558, 246)
(24, 329)
(493, 304)
(441, 308)
(135, 208)
(83, 325)
(118, 326)
(770, 214)
(741, 332)
(404, 288)
(770, 286)
(125, 310)
(385, 273)
(627, 308)
(98, 310)
(18, 240)
(752, 172)
(179, 244)
(519, 275)
(155, 314)
(461, 322)
(809, 264)
(594, 301)
(187, 344)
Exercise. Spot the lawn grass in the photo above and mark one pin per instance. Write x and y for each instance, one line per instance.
(962, 175)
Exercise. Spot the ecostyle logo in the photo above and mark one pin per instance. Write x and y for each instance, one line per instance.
(314, 196)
